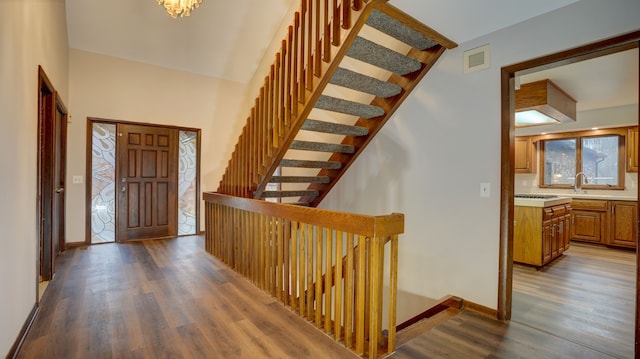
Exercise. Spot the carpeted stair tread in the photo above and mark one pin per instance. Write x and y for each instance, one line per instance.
(277, 194)
(363, 83)
(299, 179)
(321, 147)
(348, 107)
(394, 28)
(335, 128)
(311, 164)
(380, 56)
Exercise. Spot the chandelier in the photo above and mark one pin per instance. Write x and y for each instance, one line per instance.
(180, 8)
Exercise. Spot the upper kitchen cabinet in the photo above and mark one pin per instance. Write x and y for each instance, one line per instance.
(632, 149)
(525, 161)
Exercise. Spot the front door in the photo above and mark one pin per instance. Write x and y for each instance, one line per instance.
(146, 182)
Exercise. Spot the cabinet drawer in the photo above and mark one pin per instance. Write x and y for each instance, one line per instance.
(589, 204)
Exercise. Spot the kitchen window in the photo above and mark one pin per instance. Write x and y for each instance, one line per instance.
(599, 158)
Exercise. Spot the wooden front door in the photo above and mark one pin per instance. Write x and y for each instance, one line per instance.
(146, 182)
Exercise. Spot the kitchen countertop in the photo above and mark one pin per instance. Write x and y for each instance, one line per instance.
(540, 202)
(566, 198)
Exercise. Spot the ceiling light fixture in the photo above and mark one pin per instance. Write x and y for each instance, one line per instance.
(543, 102)
(180, 8)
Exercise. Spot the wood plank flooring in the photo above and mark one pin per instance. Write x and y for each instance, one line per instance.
(580, 306)
(164, 299)
(587, 296)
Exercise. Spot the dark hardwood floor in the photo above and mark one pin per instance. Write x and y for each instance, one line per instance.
(587, 296)
(580, 306)
(164, 299)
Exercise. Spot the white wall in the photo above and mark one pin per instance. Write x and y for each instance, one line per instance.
(112, 88)
(32, 33)
(429, 160)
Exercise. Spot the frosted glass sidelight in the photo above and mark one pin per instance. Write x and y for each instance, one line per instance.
(103, 173)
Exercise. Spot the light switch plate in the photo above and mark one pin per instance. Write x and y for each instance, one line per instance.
(485, 190)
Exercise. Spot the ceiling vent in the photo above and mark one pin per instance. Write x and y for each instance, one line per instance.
(542, 103)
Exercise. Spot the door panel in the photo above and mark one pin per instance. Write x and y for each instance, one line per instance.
(147, 173)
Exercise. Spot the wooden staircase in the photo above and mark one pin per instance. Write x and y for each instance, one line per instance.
(344, 69)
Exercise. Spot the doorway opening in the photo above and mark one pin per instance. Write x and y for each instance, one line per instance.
(508, 82)
(52, 144)
(143, 181)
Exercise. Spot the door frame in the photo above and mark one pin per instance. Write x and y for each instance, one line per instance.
(48, 98)
(88, 174)
(507, 83)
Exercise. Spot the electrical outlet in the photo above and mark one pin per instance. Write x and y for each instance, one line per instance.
(485, 190)
(77, 179)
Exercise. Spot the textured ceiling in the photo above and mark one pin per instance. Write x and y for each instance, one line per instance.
(228, 38)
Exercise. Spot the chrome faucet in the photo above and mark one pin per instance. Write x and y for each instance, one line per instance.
(577, 187)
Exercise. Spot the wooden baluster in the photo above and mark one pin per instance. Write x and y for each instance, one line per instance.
(294, 266)
(302, 275)
(279, 259)
(272, 128)
(304, 33)
(309, 280)
(360, 296)
(326, 36)
(393, 292)
(271, 276)
(275, 105)
(348, 293)
(337, 321)
(319, 243)
(335, 23)
(357, 5)
(281, 89)
(317, 57)
(267, 115)
(310, 46)
(346, 14)
(375, 287)
(288, 79)
(294, 70)
(286, 267)
(328, 248)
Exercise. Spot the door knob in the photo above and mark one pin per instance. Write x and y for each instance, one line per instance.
(123, 189)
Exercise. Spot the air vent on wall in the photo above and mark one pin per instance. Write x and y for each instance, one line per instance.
(477, 59)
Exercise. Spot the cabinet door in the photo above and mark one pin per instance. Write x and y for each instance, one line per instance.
(547, 239)
(524, 155)
(585, 225)
(566, 235)
(624, 219)
(632, 149)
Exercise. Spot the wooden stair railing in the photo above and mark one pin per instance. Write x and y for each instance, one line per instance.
(327, 266)
(320, 48)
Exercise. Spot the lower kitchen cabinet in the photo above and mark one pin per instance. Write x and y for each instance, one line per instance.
(540, 234)
(604, 222)
(624, 216)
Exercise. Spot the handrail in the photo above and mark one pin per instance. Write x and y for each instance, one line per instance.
(303, 65)
(328, 266)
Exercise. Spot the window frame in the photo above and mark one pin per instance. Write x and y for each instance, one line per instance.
(621, 132)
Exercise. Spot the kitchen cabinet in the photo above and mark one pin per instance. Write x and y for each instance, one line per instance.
(632, 149)
(525, 155)
(540, 233)
(624, 219)
(589, 220)
(607, 222)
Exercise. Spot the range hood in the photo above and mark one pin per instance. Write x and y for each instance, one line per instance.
(542, 103)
